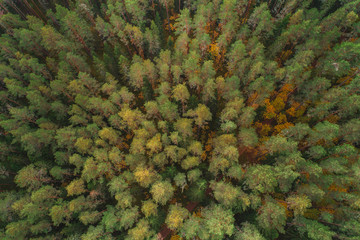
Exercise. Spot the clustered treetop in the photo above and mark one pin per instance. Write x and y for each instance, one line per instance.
(137, 119)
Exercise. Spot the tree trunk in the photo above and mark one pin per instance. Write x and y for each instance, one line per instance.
(167, 15)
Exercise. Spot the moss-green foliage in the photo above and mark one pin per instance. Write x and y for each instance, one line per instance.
(226, 119)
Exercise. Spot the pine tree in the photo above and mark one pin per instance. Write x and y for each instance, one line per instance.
(179, 119)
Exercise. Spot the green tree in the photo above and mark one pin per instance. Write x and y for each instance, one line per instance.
(162, 192)
(244, 111)
(176, 217)
(201, 115)
(144, 176)
(272, 216)
(76, 187)
(218, 222)
(31, 177)
(261, 178)
(225, 193)
(180, 93)
(248, 231)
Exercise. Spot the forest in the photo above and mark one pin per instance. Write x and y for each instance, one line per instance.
(179, 119)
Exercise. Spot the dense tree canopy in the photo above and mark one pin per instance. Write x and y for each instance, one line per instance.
(138, 119)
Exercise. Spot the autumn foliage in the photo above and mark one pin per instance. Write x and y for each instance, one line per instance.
(165, 119)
